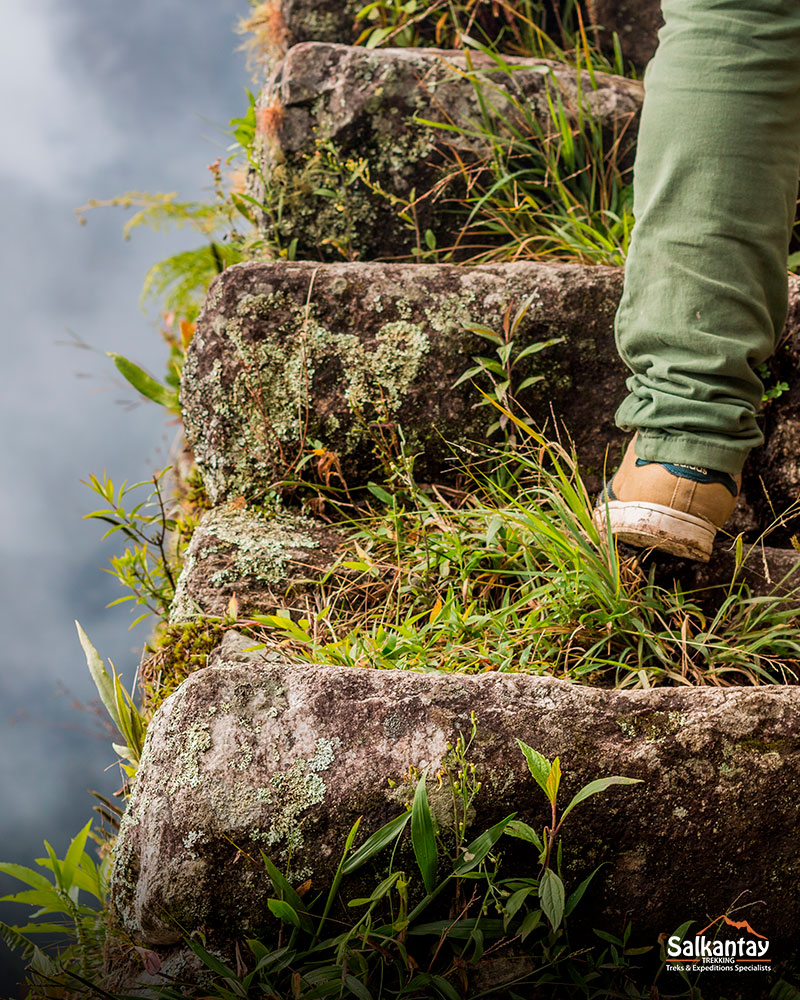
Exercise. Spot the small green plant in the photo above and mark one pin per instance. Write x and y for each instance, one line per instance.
(547, 775)
(439, 904)
(555, 190)
(772, 389)
(58, 896)
(150, 565)
(118, 703)
(501, 370)
(519, 27)
(514, 575)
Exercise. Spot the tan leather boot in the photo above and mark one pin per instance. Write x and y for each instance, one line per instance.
(674, 508)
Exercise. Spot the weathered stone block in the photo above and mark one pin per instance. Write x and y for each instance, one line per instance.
(286, 757)
(635, 21)
(286, 354)
(335, 127)
(265, 559)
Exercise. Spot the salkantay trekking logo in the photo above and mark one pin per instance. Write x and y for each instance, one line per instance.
(715, 949)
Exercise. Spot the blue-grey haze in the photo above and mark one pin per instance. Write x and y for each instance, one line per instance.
(98, 98)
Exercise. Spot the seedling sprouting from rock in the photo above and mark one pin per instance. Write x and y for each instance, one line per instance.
(547, 775)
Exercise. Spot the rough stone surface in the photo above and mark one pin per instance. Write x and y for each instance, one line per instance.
(286, 757)
(288, 354)
(265, 559)
(635, 21)
(321, 20)
(766, 570)
(329, 111)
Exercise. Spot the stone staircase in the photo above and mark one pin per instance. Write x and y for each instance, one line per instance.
(338, 355)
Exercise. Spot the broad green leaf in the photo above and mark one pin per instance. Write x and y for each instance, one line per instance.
(380, 493)
(101, 677)
(77, 845)
(423, 835)
(530, 923)
(538, 346)
(551, 897)
(372, 845)
(600, 785)
(47, 898)
(485, 332)
(516, 828)
(144, 383)
(481, 845)
(282, 885)
(445, 988)
(27, 875)
(577, 894)
(377, 36)
(516, 899)
(531, 380)
(358, 989)
(283, 911)
(538, 765)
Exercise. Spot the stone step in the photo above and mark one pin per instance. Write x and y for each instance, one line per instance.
(329, 111)
(266, 561)
(285, 758)
(287, 22)
(292, 356)
(271, 562)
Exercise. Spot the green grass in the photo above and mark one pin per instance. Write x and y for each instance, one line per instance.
(513, 575)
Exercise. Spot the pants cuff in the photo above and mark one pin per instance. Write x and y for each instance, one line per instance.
(689, 450)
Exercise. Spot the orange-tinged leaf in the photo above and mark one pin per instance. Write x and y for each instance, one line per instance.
(553, 780)
(436, 610)
(187, 331)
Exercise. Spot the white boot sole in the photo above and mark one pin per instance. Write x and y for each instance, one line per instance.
(652, 525)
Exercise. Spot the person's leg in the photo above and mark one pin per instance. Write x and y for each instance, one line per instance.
(715, 185)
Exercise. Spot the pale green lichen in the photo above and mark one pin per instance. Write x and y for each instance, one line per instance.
(194, 742)
(261, 546)
(289, 794)
(270, 407)
(275, 401)
(258, 546)
(651, 726)
(193, 839)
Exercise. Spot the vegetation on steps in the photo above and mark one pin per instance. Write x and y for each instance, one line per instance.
(507, 574)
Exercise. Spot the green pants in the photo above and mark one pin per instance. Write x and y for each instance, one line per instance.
(715, 186)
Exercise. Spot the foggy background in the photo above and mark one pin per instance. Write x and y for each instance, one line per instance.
(99, 97)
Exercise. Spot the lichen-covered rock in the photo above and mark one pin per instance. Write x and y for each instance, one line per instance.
(266, 559)
(289, 354)
(339, 147)
(286, 757)
(320, 20)
(636, 22)
(292, 356)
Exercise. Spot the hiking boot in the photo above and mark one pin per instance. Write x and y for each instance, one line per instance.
(673, 508)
